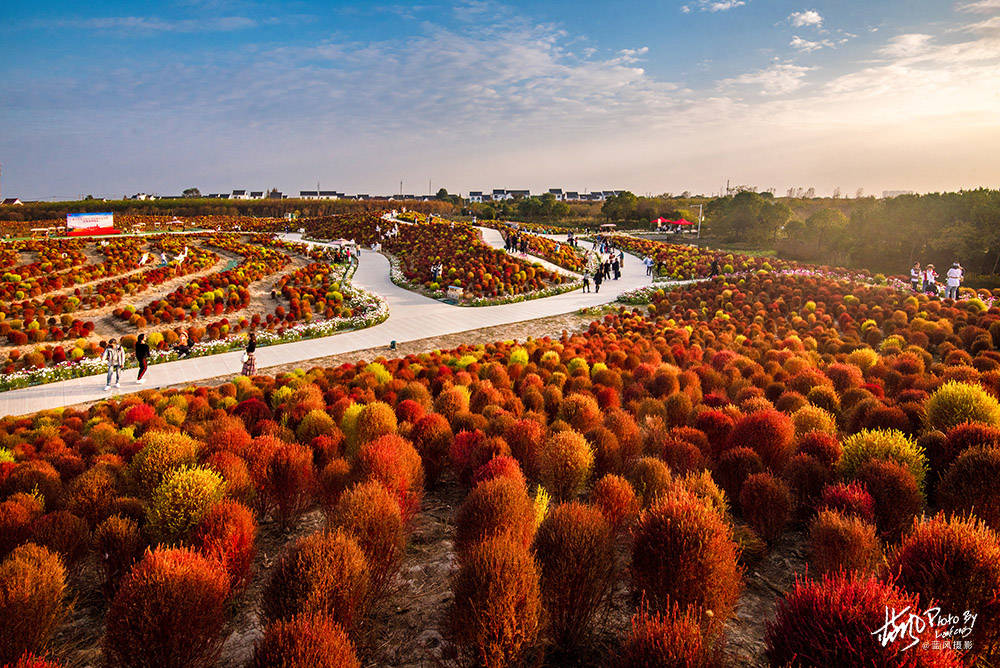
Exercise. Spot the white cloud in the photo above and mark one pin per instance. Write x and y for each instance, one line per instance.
(714, 5)
(902, 46)
(147, 24)
(780, 78)
(809, 17)
(980, 6)
(806, 46)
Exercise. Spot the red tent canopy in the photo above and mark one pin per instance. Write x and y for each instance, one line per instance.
(680, 221)
(659, 221)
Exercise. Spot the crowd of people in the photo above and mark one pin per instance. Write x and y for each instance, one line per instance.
(925, 279)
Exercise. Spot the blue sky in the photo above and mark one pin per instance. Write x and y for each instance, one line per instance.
(657, 96)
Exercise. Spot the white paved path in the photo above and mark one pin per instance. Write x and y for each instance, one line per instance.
(411, 316)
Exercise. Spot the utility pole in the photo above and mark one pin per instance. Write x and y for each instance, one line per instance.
(700, 217)
(401, 187)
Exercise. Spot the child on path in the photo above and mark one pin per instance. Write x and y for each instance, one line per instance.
(916, 277)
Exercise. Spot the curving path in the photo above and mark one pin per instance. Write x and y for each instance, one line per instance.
(411, 316)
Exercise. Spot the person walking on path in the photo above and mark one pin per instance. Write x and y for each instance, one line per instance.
(916, 277)
(616, 268)
(249, 358)
(954, 280)
(114, 357)
(598, 279)
(648, 263)
(586, 282)
(142, 356)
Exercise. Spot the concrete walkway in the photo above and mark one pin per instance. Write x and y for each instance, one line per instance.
(412, 316)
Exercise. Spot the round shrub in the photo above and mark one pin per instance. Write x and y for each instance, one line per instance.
(32, 588)
(581, 412)
(36, 475)
(496, 614)
(882, 445)
(766, 503)
(954, 403)
(524, 438)
(500, 506)
(305, 641)
(806, 476)
(575, 551)
(617, 501)
(324, 573)
(607, 450)
(181, 500)
(897, 498)
(734, 467)
(824, 447)
(502, 466)
(683, 553)
(672, 639)
(651, 478)
(432, 438)
(169, 611)
(369, 513)
(841, 542)
(285, 475)
(953, 563)
(226, 536)
(565, 464)
(92, 494)
(768, 433)
(394, 463)
(812, 418)
(64, 533)
(375, 419)
(959, 439)
(834, 622)
(850, 499)
(972, 485)
(160, 453)
(119, 545)
(315, 423)
(17, 514)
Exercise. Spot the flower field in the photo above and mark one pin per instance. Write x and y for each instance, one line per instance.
(480, 270)
(620, 496)
(63, 305)
(555, 252)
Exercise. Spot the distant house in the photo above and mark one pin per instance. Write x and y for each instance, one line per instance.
(476, 196)
(363, 197)
(275, 194)
(240, 194)
(12, 201)
(500, 194)
(558, 193)
(518, 194)
(256, 194)
(143, 197)
(223, 195)
(330, 194)
(571, 196)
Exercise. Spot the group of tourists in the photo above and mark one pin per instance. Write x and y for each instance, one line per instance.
(609, 267)
(515, 243)
(926, 280)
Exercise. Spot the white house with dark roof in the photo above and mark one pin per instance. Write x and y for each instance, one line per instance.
(12, 201)
(240, 194)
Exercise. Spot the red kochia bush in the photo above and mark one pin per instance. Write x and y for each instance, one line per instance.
(320, 573)
(768, 433)
(16, 516)
(119, 544)
(672, 639)
(972, 485)
(766, 504)
(394, 463)
(169, 611)
(31, 661)
(734, 467)
(371, 515)
(432, 438)
(499, 506)
(615, 497)
(896, 492)
(822, 446)
(850, 499)
(496, 614)
(64, 533)
(575, 550)
(305, 641)
(683, 553)
(503, 466)
(717, 427)
(32, 586)
(841, 542)
(955, 564)
(226, 535)
(834, 622)
(524, 438)
(287, 478)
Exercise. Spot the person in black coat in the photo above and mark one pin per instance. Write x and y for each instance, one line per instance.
(142, 356)
(598, 279)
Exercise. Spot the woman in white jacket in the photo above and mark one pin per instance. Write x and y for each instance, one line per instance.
(114, 357)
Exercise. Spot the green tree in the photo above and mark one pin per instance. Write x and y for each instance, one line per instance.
(191, 192)
(623, 206)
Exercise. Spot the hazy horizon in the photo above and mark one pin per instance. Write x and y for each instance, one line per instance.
(472, 95)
